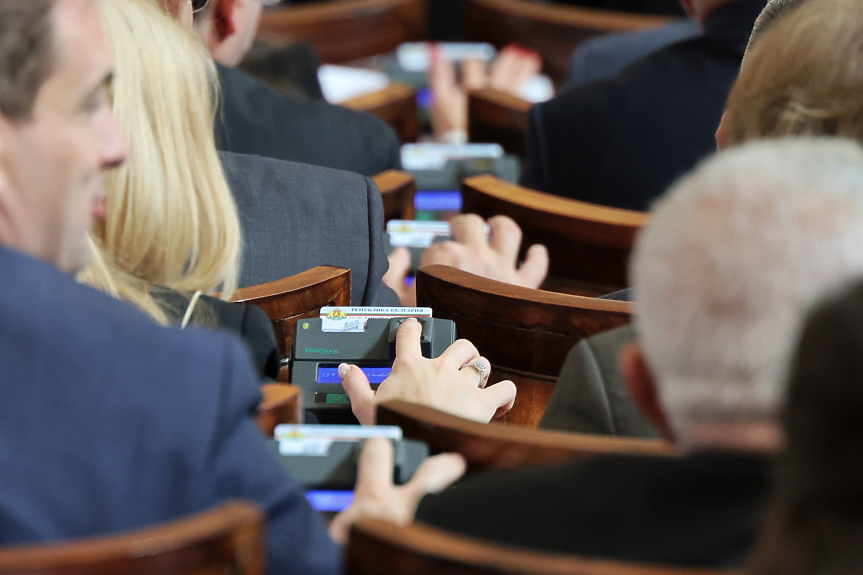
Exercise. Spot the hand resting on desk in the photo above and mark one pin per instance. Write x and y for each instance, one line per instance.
(446, 383)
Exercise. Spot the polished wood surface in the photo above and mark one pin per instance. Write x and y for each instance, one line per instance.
(553, 30)
(377, 547)
(500, 446)
(282, 403)
(525, 333)
(226, 539)
(396, 105)
(497, 117)
(346, 30)
(398, 190)
(588, 244)
(288, 300)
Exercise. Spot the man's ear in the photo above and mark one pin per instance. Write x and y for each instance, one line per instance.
(642, 388)
(223, 20)
(722, 133)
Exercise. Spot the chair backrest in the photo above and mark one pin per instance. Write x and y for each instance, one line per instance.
(376, 546)
(525, 333)
(296, 297)
(497, 117)
(398, 190)
(396, 105)
(226, 539)
(553, 30)
(499, 446)
(345, 30)
(281, 403)
(588, 244)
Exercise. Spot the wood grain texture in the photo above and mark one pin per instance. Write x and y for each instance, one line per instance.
(588, 244)
(226, 539)
(398, 190)
(525, 333)
(296, 297)
(346, 30)
(396, 105)
(376, 547)
(500, 446)
(553, 30)
(282, 403)
(497, 117)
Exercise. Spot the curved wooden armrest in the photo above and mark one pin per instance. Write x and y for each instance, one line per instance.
(496, 445)
(398, 190)
(282, 403)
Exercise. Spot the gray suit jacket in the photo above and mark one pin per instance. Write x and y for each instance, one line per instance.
(590, 396)
(295, 217)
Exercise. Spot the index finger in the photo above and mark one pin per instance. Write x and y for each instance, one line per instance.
(375, 467)
(505, 237)
(468, 229)
(408, 339)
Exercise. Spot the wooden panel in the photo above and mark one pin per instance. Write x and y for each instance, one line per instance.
(554, 31)
(300, 296)
(282, 403)
(498, 117)
(346, 30)
(588, 244)
(376, 547)
(396, 105)
(500, 446)
(398, 190)
(525, 333)
(227, 539)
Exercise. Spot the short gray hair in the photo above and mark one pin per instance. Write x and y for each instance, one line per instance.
(733, 257)
(772, 11)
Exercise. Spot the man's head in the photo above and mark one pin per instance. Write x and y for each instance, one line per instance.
(802, 76)
(57, 132)
(228, 28)
(732, 258)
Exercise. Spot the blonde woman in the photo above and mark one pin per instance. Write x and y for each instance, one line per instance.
(171, 231)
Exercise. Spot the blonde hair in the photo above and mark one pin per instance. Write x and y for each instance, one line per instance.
(803, 76)
(171, 219)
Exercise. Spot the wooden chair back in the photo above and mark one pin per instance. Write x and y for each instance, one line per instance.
(396, 105)
(281, 403)
(553, 30)
(296, 297)
(226, 539)
(398, 190)
(525, 333)
(499, 446)
(346, 30)
(497, 117)
(588, 244)
(376, 546)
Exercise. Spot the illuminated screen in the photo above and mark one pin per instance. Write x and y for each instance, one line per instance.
(330, 501)
(375, 374)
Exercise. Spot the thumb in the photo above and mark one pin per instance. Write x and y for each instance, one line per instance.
(535, 267)
(434, 475)
(360, 392)
(400, 265)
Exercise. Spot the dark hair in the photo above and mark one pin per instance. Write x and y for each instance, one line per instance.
(26, 53)
(815, 524)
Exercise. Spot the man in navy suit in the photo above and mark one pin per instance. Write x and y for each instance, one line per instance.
(109, 422)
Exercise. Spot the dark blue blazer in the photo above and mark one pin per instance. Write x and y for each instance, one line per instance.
(109, 422)
(622, 141)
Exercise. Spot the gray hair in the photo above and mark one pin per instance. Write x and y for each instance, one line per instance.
(732, 259)
(768, 16)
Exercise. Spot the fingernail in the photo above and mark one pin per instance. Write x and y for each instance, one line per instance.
(411, 319)
(343, 370)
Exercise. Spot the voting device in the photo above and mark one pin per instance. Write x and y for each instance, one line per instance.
(323, 458)
(363, 336)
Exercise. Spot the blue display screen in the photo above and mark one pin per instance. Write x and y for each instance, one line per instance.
(375, 374)
(330, 501)
(438, 201)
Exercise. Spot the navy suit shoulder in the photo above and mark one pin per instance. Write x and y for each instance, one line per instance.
(255, 118)
(699, 510)
(109, 422)
(622, 141)
(296, 216)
